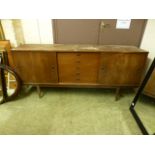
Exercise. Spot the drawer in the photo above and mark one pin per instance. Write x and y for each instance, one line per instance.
(78, 67)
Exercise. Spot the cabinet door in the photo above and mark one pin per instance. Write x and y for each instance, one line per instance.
(22, 61)
(78, 67)
(36, 67)
(133, 68)
(45, 67)
(121, 69)
(66, 67)
(110, 68)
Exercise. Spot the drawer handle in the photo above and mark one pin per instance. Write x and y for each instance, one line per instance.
(77, 73)
(77, 79)
(77, 61)
(78, 54)
(53, 67)
(77, 68)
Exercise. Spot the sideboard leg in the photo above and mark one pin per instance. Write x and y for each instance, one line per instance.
(39, 91)
(27, 88)
(117, 94)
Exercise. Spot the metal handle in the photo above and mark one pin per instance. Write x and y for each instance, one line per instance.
(77, 79)
(78, 73)
(78, 61)
(78, 54)
(103, 25)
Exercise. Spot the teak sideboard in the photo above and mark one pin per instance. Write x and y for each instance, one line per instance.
(79, 65)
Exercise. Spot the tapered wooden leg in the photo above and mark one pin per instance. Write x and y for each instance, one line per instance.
(117, 94)
(39, 92)
(27, 88)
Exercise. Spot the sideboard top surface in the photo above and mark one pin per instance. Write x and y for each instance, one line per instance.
(75, 47)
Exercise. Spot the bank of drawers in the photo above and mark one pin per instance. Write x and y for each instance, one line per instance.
(78, 67)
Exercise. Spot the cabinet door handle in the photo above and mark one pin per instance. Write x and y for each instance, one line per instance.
(102, 68)
(103, 25)
(139, 70)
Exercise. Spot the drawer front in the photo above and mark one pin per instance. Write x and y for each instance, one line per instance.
(78, 67)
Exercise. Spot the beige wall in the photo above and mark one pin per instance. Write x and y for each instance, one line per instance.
(46, 31)
(148, 41)
(9, 31)
(35, 31)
